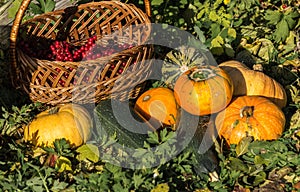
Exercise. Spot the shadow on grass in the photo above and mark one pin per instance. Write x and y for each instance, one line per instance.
(9, 96)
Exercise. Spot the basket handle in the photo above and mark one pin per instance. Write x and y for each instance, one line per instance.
(13, 36)
(16, 25)
(147, 5)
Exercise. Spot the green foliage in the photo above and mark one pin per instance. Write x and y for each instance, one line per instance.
(260, 165)
(34, 8)
(12, 122)
(222, 26)
(284, 22)
(43, 6)
(251, 164)
(14, 8)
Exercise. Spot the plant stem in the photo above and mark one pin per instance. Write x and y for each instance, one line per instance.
(246, 111)
(201, 74)
(41, 176)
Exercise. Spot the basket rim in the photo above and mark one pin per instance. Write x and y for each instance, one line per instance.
(18, 23)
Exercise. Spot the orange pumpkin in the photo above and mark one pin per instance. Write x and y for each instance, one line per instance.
(203, 90)
(251, 82)
(250, 116)
(158, 103)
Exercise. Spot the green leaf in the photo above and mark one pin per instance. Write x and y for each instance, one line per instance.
(248, 4)
(119, 187)
(217, 42)
(63, 164)
(258, 160)
(138, 180)
(278, 146)
(265, 50)
(272, 158)
(273, 16)
(59, 185)
(140, 152)
(88, 151)
(229, 50)
(156, 2)
(215, 29)
(213, 16)
(12, 11)
(259, 178)
(200, 14)
(257, 146)
(35, 8)
(49, 6)
(290, 43)
(291, 18)
(217, 50)
(217, 45)
(113, 168)
(225, 22)
(231, 32)
(163, 187)
(165, 135)
(153, 138)
(183, 2)
(243, 146)
(200, 34)
(34, 181)
(62, 147)
(282, 31)
(238, 164)
(217, 3)
(42, 5)
(249, 31)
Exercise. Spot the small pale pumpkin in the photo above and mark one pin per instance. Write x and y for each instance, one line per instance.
(158, 103)
(203, 90)
(250, 116)
(251, 82)
(179, 61)
(70, 121)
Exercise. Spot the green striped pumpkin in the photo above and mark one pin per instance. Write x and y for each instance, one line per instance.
(179, 61)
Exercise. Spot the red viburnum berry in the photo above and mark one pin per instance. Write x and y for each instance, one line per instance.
(284, 6)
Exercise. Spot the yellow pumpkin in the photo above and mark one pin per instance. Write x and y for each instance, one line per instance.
(251, 82)
(70, 121)
(203, 90)
(158, 103)
(250, 116)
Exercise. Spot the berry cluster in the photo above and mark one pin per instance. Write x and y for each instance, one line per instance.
(64, 51)
(35, 49)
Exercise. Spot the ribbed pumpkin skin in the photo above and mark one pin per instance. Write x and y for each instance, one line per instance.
(71, 122)
(266, 122)
(158, 103)
(250, 82)
(179, 61)
(206, 96)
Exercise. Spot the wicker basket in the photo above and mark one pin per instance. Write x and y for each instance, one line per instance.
(84, 81)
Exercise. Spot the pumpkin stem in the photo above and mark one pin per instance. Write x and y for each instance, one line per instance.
(53, 110)
(202, 74)
(246, 111)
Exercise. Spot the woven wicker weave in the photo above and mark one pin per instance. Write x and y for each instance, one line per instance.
(86, 81)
